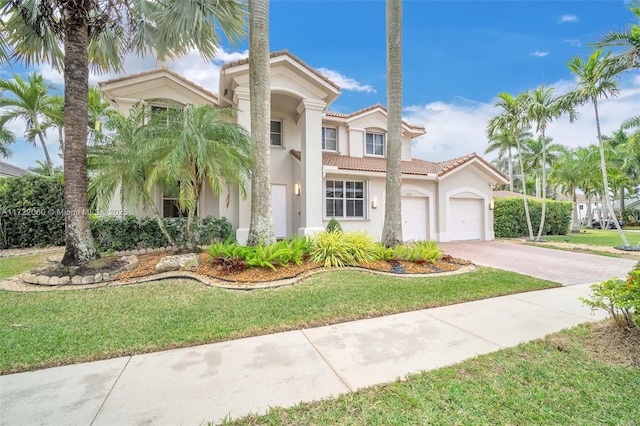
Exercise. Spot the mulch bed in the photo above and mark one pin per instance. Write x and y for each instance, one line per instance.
(147, 263)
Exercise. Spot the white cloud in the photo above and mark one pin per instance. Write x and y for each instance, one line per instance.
(539, 54)
(457, 128)
(572, 42)
(568, 18)
(223, 56)
(346, 83)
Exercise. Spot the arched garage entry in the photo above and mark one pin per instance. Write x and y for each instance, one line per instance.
(465, 215)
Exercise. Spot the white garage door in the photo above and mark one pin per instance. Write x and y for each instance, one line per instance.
(415, 219)
(464, 219)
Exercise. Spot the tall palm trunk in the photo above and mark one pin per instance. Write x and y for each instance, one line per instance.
(392, 229)
(605, 179)
(524, 188)
(261, 229)
(510, 170)
(79, 247)
(44, 146)
(544, 185)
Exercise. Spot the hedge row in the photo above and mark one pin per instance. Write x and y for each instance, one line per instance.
(129, 232)
(510, 220)
(31, 211)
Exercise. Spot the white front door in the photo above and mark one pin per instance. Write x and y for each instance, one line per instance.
(465, 219)
(279, 208)
(414, 218)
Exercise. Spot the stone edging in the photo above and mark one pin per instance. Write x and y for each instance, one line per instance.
(33, 277)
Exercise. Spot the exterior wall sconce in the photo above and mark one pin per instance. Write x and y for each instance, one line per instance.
(491, 204)
(374, 203)
(297, 189)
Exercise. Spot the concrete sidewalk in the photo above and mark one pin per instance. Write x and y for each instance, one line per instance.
(207, 383)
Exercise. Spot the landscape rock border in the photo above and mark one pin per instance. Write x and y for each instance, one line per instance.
(38, 277)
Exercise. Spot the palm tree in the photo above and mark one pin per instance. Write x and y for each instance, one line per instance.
(565, 173)
(512, 122)
(193, 145)
(589, 183)
(626, 42)
(261, 229)
(6, 138)
(99, 115)
(30, 102)
(542, 108)
(596, 80)
(504, 144)
(98, 34)
(119, 164)
(392, 228)
(534, 159)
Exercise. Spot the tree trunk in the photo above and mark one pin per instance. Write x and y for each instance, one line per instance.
(575, 221)
(510, 170)
(589, 216)
(44, 148)
(544, 186)
(605, 179)
(261, 229)
(392, 229)
(79, 247)
(524, 187)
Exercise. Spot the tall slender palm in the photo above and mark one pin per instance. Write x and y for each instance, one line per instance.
(543, 107)
(565, 173)
(512, 121)
(99, 114)
(596, 80)
(392, 228)
(30, 102)
(504, 144)
(98, 34)
(194, 145)
(626, 42)
(619, 142)
(261, 229)
(535, 160)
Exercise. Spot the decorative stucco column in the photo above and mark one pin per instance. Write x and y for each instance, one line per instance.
(311, 166)
(243, 114)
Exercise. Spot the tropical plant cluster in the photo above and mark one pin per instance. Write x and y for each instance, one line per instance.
(31, 211)
(510, 222)
(605, 171)
(328, 248)
(621, 298)
(112, 233)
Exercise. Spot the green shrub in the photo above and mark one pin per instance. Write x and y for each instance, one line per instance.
(342, 249)
(621, 298)
(510, 219)
(129, 232)
(382, 252)
(419, 251)
(31, 211)
(334, 225)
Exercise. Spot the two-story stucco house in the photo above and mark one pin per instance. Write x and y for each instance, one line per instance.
(326, 164)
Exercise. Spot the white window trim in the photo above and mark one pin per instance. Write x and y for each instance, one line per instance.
(366, 207)
(336, 139)
(281, 121)
(384, 143)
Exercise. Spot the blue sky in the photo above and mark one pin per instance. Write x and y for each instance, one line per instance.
(457, 56)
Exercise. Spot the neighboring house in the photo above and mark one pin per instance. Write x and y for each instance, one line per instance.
(631, 209)
(326, 164)
(9, 170)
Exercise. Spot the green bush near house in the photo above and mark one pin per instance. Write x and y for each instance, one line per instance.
(129, 232)
(510, 220)
(31, 211)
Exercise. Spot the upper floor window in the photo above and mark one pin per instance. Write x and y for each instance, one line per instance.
(329, 139)
(374, 144)
(276, 133)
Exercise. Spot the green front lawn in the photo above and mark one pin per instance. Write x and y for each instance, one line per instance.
(559, 380)
(11, 266)
(596, 237)
(39, 329)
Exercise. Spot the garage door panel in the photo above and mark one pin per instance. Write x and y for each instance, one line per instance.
(465, 219)
(415, 218)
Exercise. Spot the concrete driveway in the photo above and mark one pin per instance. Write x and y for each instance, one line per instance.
(565, 267)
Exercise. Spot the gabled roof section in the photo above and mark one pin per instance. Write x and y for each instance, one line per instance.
(413, 167)
(126, 85)
(413, 129)
(9, 170)
(314, 84)
(284, 52)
